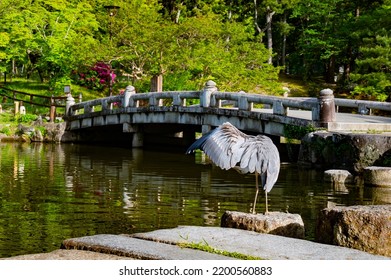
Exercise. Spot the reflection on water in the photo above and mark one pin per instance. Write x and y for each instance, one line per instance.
(49, 193)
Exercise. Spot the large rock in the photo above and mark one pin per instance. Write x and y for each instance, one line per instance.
(36, 136)
(54, 132)
(367, 228)
(278, 223)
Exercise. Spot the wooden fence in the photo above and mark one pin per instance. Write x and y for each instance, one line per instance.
(51, 102)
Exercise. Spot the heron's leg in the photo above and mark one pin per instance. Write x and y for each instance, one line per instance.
(256, 192)
(266, 202)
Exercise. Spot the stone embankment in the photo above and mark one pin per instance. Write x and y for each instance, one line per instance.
(348, 151)
(39, 131)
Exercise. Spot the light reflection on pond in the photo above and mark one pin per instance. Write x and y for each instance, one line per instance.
(49, 193)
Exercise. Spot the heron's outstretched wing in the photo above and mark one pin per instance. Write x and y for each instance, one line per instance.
(227, 146)
(223, 145)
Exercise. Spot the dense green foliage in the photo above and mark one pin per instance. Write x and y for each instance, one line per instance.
(242, 45)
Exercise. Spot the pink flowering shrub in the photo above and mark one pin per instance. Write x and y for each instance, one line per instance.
(97, 77)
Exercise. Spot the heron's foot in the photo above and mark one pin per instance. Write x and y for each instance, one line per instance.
(252, 211)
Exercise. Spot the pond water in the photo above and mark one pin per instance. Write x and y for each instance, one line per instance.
(51, 192)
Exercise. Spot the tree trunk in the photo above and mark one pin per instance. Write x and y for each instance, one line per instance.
(347, 65)
(283, 51)
(259, 30)
(330, 71)
(269, 17)
(178, 14)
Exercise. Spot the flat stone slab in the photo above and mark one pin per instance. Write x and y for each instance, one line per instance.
(62, 254)
(265, 246)
(137, 248)
(278, 223)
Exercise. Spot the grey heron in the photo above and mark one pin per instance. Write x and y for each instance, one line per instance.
(228, 147)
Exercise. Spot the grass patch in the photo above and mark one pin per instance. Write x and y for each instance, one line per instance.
(297, 87)
(300, 88)
(8, 125)
(36, 87)
(204, 246)
(6, 130)
(30, 86)
(27, 118)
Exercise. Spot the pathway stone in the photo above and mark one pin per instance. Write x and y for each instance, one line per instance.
(265, 246)
(161, 245)
(62, 254)
(136, 248)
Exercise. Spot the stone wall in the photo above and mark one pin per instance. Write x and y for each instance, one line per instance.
(348, 151)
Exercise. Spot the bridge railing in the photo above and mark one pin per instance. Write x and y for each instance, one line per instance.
(279, 105)
(323, 108)
(209, 97)
(364, 107)
(174, 98)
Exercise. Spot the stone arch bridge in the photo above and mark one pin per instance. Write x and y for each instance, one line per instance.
(168, 118)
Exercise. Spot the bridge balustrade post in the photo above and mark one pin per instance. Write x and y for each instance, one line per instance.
(127, 101)
(178, 101)
(363, 110)
(105, 105)
(209, 88)
(243, 103)
(88, 108)
(153, 101)
(326, 107)
(214, 102)
(70, 101)
(279, 109)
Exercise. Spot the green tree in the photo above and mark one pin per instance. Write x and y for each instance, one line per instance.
(53, 36)
(373, 71)
(4, 41)
(318, 44)
(13, 34)
(186, 41)
(327, 36)
(201, 45)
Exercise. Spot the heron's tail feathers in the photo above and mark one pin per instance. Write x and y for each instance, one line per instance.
(268, 180)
